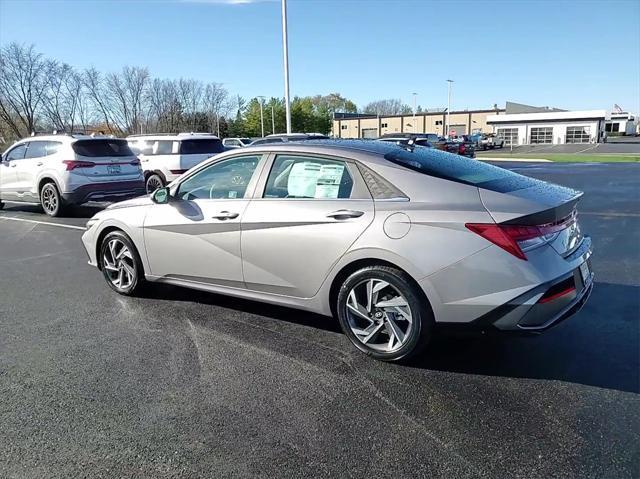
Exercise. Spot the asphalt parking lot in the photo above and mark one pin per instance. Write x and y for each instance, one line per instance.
(186, 384)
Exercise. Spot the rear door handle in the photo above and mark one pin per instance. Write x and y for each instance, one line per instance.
(344, 214)
(225, 215)
(39, 163)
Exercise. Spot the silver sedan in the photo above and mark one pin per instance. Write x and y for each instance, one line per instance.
(390, 239)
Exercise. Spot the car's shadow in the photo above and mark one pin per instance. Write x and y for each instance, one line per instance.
(82, 211)
(600, 346)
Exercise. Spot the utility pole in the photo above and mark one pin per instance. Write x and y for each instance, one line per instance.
(415, 95)
(273, 121)
(285, 48)
(449, 108)
(261, 115)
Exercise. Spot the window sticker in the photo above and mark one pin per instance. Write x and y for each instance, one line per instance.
(303, 179)
(313, 180)
(328, 183)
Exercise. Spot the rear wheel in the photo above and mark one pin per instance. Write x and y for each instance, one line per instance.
(384, 313)
(50, 199)
(153, 183)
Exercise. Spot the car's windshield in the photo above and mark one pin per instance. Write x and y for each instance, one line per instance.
(459, 169)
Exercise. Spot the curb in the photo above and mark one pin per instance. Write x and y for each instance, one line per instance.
(524, 160)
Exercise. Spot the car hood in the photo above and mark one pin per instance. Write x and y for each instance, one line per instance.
(139, 201)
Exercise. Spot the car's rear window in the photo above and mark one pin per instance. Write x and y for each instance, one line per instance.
(94, 148)
(459, 169)
(202, 146)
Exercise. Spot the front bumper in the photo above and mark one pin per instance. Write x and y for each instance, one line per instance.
(114, 191)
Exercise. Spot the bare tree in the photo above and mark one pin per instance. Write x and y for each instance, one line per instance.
(22, 85)
(387, 107)
(216, 104)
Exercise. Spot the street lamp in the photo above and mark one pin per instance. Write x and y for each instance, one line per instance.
(261, 115)
(273, 120)
(449, 107)
(415, 95)
(285, 48)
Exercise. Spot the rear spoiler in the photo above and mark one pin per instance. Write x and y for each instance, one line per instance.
(551, 215)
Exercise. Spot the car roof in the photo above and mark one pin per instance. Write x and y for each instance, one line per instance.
(65, 138)
(173, 136)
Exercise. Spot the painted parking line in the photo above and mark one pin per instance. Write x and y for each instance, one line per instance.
(587, 149)
(81, 228)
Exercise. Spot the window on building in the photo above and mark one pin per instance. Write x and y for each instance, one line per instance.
(509, 135)
(343, 127)
(384, 125)
(612, 127)
(541, 135)
(578, 134)
(438, 122)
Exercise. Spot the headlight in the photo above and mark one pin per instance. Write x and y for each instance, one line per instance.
(92, 222)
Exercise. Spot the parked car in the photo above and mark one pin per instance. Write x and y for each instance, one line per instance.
(495, 141)
(164, 157)
(465, 145)
(286, 137)
(391, 239)
(439, 143)
(60, 170)
(236, 142)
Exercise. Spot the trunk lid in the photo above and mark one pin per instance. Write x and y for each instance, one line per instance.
(105, 160)
(548, 206)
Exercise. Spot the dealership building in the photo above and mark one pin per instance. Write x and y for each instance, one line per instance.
(517, 124)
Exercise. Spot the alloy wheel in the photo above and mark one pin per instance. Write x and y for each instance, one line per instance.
(379, 315)
(49, 199)
(153, 183)
(119, 264)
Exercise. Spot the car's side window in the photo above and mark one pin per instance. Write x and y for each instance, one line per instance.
(308, 177)
(227, 179)
(37, 149)
(51, 147)
(17, 153)
(163, 147)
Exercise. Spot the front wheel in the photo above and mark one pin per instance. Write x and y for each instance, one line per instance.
(384, 313)
(50, 199)
(120, 264)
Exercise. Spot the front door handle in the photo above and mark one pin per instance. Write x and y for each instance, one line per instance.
(225, 215)
(344, 214)
(39, 163)
(13, 165)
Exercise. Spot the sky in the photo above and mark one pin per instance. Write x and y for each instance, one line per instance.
(574, 54)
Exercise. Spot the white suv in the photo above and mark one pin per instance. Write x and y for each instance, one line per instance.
(58, 170)
(236, 142)
(165, 157)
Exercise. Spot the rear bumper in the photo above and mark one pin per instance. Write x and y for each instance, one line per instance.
(115, 191)
(490, 292)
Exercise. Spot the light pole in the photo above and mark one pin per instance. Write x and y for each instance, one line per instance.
(415, 95)
(285, 48)
(273, 121)
(261, 115)
(449, 107)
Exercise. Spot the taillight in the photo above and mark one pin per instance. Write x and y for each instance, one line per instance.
(513, 238)
(462, 149)
(73, 164)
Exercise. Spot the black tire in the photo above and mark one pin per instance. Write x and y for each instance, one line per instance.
(153, 182)
(1, 205)
(50, 199)
(422, 323)
(138, 282)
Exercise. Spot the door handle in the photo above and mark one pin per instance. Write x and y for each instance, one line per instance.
(39, 163)
(13, 165)
(344, 214)
(225, 215)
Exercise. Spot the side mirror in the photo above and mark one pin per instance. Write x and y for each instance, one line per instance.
(161, 196)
